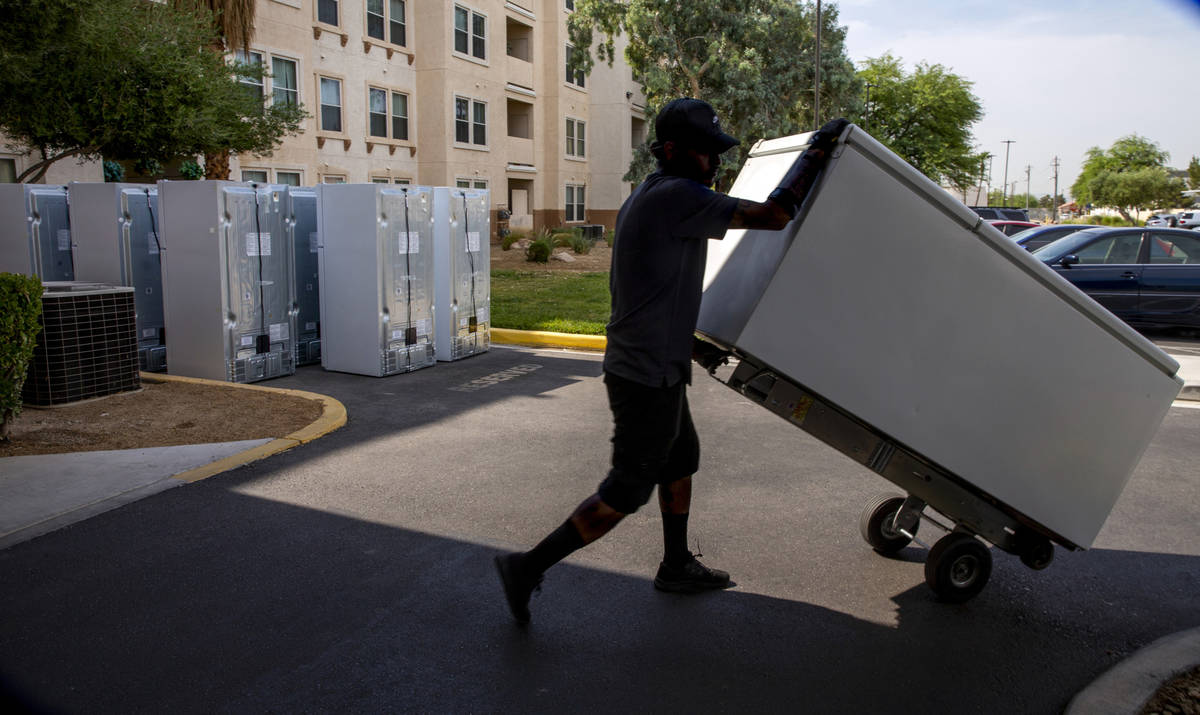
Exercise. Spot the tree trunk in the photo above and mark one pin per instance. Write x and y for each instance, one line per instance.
(216, 166)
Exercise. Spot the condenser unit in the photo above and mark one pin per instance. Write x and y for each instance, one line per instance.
(35, 232)
(301, 216)
(228, 280)
(87, 346)
(376, 274)
(462, 275)
(117, 241)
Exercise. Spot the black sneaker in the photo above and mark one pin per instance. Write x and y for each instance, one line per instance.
(691, 576)
(517, 588)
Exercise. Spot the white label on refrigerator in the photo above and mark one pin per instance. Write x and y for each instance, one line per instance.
(148, 333)
(423, 326)
(64, 239)
(247, 340)
(481, 315)
(473, 241)
(310, 325)
(397, 334)
(312, 242)
(152, 242)
(409, 242)
(278, 331)
(258, 244)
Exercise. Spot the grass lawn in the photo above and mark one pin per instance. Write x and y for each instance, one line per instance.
(557, 301)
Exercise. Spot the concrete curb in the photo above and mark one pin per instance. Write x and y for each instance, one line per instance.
(1128, 685)
(333, 416)
(547, 339)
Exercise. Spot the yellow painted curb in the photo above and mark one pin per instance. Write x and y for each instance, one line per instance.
(548, 339)
(333, 416)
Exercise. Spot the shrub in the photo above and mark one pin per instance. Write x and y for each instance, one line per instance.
(113, 171)
(580, 245)
(20, 308)
(540, 249)
(189, 169)
(609, 237)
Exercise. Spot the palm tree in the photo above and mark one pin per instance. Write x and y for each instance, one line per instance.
(233, 22)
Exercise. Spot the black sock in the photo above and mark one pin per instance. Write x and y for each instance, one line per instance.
(675, 548)
(554, 548)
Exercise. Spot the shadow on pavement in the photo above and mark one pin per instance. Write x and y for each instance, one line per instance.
(233, 603)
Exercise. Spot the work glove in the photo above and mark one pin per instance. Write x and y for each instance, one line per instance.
(799, 179)
(707, 355)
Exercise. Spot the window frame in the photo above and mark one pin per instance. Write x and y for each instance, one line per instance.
(575, 131)
(320, 115)
(570, 79)
(337, 10)
(472, 184)
(471, 142)
(299, 173)
(579, 191)
(389, 21)
(295, 90)
(249, 58)
(389, 135)
(473, 41)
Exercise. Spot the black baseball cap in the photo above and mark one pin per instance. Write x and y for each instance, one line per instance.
(692, 122)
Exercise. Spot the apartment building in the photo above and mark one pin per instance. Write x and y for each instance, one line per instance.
(471, 93)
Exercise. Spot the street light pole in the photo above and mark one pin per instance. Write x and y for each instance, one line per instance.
(1004, 195)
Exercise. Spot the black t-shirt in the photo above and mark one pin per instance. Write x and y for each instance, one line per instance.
(657, 270)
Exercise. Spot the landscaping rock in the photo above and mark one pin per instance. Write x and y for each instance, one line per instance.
(563, 256)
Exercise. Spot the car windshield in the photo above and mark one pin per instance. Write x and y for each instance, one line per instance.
(1022, 234)
(1067, 244)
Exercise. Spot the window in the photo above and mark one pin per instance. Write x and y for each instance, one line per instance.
(576, 130)
(574, 202)
(573, 77)
(389, 26)
(380, 180)
(380, 120)
(253, 85)
(327, 11)
(470, 32)
(1112, 250)
(333, 179)
(377, 112)
(470, 183)
(284, 88)
(570, 4)
(8, 171)
(470, 121)
(287, 178)
(1170, 248)
(258, 176)
(399, 116)
(331, 105)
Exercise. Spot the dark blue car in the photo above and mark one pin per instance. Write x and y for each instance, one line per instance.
(1148, 277)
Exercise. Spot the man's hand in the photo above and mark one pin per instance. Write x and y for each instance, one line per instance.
(799, 179)
(707, 355)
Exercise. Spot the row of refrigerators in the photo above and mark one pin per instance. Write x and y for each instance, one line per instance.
(243, 282)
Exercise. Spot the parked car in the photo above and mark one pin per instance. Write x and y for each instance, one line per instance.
(1001, 213)
(1008, 228)
(1034, 238)
(1168, 220)
(1150, 278)
(1189, 219)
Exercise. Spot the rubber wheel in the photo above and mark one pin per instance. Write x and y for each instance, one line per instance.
(958, 567)
(875, 524)
(1036, 551)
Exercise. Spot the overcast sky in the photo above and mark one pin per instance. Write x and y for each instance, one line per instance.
(1057, 76)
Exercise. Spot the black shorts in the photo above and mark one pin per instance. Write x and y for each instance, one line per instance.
(654, 441)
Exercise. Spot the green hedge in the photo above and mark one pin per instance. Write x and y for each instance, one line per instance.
(20, 308)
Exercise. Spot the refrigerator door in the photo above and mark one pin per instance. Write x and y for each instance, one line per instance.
(925, 322)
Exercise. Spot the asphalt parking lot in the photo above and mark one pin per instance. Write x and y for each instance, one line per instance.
(354, 573)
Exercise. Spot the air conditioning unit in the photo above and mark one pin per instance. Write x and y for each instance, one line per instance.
(376, 274)
(300, 212)
(229, 285)
(462, 272)
(118, 241)
(87, 347)
(35, 232)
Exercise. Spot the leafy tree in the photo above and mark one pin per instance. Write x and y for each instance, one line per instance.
(925, 117)
(126, 80)
(753, 60)
(1193, 171)
(233, 24)
(1131, 175)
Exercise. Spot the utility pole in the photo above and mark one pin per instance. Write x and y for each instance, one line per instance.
(1028, 168)
(817, 88)
(867, 119)
(1007, 145)
(1054, 196)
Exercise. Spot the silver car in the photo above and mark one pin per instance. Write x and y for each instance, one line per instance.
(1189, 219)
